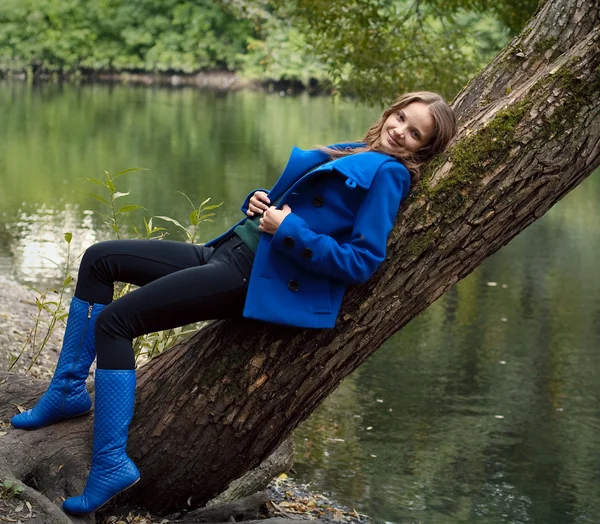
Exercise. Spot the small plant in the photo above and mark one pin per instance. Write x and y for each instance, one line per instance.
(197, 216)
(147, 347)
(50, 303)
(10, 489)
(51, 310)
(111, 219)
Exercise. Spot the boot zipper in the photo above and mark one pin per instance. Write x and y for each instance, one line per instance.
(67, 380)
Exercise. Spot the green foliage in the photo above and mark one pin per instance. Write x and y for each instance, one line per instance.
(10, 489)
(280, 53)
(377, 48)
(196, 217)
(371, 49)
(111, 219)
(150, 345)
(68, 35)
(51, 310)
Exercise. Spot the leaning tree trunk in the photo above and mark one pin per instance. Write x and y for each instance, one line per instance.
(217, 405)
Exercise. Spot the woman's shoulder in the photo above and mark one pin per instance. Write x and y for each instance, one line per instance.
(372, 160)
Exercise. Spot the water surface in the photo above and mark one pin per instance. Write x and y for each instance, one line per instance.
(484, 409)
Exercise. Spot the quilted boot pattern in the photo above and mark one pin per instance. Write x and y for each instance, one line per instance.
(112, 470)
(66, 395)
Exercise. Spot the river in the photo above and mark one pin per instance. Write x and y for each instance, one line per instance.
(484, 409)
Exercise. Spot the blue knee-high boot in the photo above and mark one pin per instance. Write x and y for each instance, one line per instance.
(66, 396)
(112, 470)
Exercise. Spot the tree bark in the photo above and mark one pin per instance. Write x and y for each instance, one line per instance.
(218, 404)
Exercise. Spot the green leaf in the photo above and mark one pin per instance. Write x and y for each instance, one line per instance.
(67, 281)
(96, 181)
(110, 185)
(47, 308)
(214, 206)
(7, 484)
(68, 237)
(188, 199)
(98, 197)
(172, 220)
(119, 195)
(127, 209)
(194, 217)
(34, 289)
(130, 170)
(51, 261)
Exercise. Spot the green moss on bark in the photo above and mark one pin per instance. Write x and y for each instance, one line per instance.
(481, 152)
(418, 245)
(578, 93)
(543, 44)
(473, 157)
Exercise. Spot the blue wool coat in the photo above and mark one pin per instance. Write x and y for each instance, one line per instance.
(342, 214)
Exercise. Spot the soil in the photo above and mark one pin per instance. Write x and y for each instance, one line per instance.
(18, 312)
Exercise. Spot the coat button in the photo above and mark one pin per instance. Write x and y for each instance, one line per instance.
(293, 285)
(307, 253)
(318, 201)
(288, 242)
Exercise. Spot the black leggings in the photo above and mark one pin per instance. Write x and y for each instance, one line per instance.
(180, 284)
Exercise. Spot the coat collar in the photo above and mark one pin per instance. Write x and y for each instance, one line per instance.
(359, 169)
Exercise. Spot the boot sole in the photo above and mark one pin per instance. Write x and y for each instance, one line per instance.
(106, 502)
(56, 421)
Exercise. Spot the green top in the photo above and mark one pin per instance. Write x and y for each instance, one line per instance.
(249, 232)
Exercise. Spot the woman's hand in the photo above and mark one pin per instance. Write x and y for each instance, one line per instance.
(272, 219)
(258, 203)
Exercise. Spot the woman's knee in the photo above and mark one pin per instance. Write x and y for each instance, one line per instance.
(112, 324)
(96, 252)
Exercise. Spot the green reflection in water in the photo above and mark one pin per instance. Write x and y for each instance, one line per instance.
(437, 451)
(484, 409)
(204, 144)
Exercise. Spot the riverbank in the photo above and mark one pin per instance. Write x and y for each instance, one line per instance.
(18, 312)
(216, 80)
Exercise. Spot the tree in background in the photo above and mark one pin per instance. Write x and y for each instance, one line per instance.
(371, 49)
(374, 49)
(116, 35)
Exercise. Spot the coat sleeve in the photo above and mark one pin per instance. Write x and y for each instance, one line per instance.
(355, 261)
(246, 203)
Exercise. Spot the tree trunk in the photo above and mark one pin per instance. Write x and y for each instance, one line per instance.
(217, 405)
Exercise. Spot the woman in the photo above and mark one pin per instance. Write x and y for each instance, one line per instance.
(323, 225)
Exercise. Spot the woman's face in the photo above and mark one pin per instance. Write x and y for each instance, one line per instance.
(408, 129)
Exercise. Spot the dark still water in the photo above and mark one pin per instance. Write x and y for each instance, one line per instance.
(485, 409)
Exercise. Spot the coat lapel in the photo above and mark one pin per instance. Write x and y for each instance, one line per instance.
(300, 162)
(359, 169)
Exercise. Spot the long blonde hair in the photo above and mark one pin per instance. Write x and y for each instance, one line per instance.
(444, 130)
